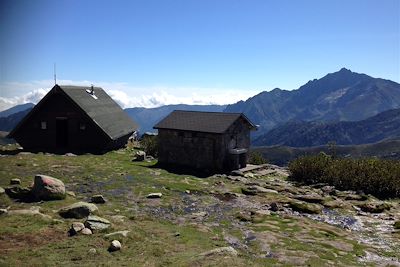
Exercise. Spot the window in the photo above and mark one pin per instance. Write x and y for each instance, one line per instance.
(43, 125)
(82, 126)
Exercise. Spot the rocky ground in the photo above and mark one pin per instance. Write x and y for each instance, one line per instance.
(131, 213)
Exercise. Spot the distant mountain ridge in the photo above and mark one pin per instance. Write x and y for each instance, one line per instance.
(8, 123)
(385, 125)
(15, 109)
(339, 96)
(148, 117)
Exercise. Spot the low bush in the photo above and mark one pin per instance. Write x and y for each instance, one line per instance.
(378, 177)
(149, 144)
(256, 158)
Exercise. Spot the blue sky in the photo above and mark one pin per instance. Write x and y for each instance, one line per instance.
(180, 50)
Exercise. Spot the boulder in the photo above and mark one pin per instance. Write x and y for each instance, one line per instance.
(98, 199)
(305, 207)
(76, 227)
(48, 188)
(375, 207)
(97, 223)
(154, 195)
(313, 198)
(15, 181)
(139, 156)
(114, 246)
(18, 192)
(221, 251)
(257, 190)
(86, 231)
(78, 210)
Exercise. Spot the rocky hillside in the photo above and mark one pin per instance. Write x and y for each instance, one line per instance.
(148, 117)
(147, 216)
(305, 134)
(339, 96)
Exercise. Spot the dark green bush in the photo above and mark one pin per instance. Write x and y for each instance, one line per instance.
(380, 178)
(256, 158)
(149, 144)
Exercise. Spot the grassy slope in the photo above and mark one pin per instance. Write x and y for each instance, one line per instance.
(36, 241)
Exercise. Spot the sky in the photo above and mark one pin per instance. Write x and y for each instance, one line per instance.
(155, 52)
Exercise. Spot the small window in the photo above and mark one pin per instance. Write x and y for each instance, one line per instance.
(43, 125)
(82, 126)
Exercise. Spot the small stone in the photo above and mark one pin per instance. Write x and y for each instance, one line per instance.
(86, 231)
(92, 251)
(18, 192)
(114, 246)
(98, 199)
(76, 227)
(15, 181)
(274, 206)
(71, 193)
(257, 190)
(97, 223)
(221, 251)
(154, 195)
(177, 234)
(139, 156)
(187, 191)
(3, 211)
(78, 210)
(2, 191)
(237, 173)
(396, 225)
(119, 233)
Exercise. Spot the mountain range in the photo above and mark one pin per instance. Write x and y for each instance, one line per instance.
(339, 96)
(338, 107)
(385, 125)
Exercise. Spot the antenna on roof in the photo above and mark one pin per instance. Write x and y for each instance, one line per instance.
(55, 74)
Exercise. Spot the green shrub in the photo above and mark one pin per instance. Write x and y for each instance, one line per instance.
(256, 158)
(380, 178)
(149, 144)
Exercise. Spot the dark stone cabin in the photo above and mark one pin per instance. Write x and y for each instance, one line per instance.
(206, 141)
(74, 119)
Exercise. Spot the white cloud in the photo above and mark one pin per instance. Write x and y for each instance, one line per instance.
(14, 93)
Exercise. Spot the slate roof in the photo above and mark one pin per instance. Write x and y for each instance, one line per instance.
(102, 109)
(197, 121)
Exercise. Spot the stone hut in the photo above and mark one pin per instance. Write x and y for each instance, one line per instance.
(74, 118)
(206, 141)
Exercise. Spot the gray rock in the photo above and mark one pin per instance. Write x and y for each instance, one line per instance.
(154, 195)
(375, 207)
(305, 207)
(237, 173)
(97, 223)
(3, 211)
(114, 246)
(18, 192)
(313, 198)
(256, 190)
(139, 156)
(118, 234)
(92, 251)
(15, 181)
(78, 210)
(221, 251)
(2, 191)
(76, 227)
(98, 199)
(48, 188)
(86, 231)
(33, 211)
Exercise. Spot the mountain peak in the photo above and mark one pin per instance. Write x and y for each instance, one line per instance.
(344, 70)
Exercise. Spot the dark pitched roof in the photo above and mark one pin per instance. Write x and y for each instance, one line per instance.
(102, 109)
(209, 122)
